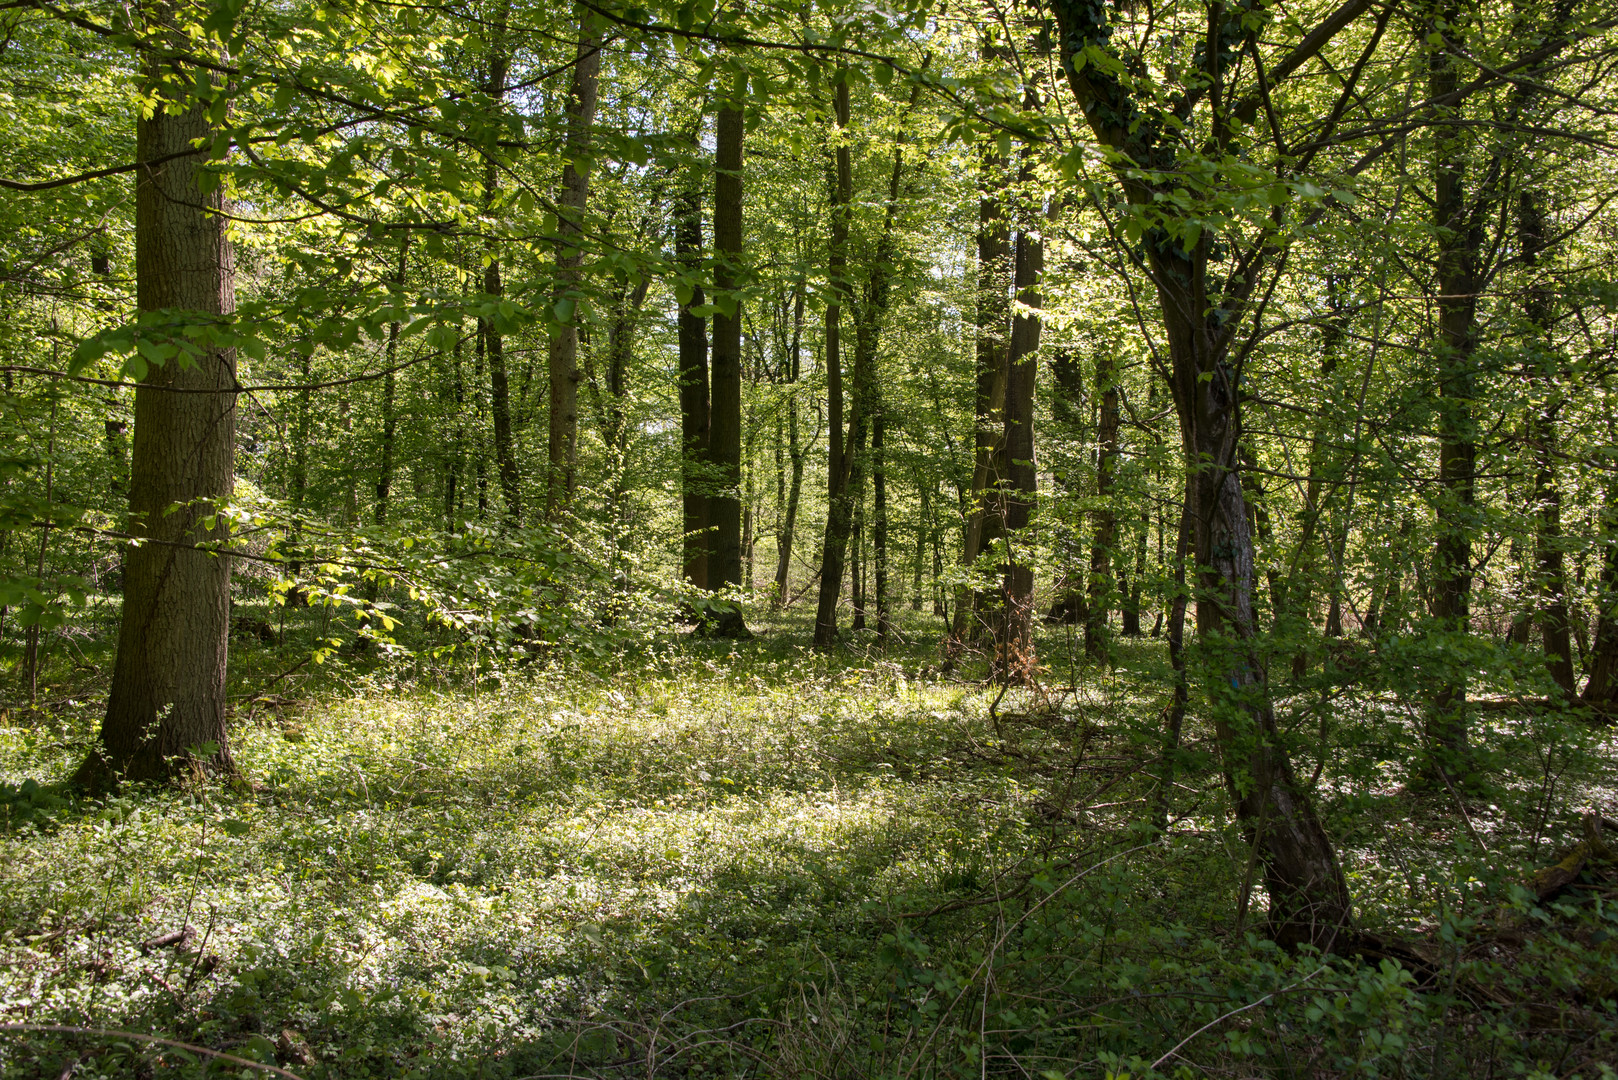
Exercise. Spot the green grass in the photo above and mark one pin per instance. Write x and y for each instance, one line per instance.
(717, 860)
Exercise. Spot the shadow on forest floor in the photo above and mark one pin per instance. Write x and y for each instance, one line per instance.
(750, 860)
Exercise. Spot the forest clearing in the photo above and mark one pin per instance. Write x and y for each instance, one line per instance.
(1044, 538)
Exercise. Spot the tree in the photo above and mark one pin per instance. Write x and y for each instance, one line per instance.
(166, 709)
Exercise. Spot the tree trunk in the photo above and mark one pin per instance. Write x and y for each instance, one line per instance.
(1014, 655)
(1175, 718)
(1129, 601)
(390, 418)
(1553, 612)
(694, 409)
(166, 708)
(789, 520)
(1098, 606)
(725, 430)
(846, 468)
(1067, 410)
(879, 526)
(1601, 691)
(839, 512)
(562, 360)
(1308, 896)
(993, 317)
(1459, 239)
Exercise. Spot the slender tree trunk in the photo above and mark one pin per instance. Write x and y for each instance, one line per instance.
(1015, 656)
(1175, 719)
(1067, 410)
(31, 638)
(1601, 691)
(1098, 606)
(562, 361)
(839, 511)
(166, 708)
(694, 408)
(1553, 612)
(390, 419)
(1129, 607)
(789, 520)
(1295, 597)
(856, 557)
(725, 430)
(879, 525)
(1459, 239)
(993, 317)
(454, 492)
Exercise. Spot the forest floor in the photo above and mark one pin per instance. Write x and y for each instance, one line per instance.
(747, 859)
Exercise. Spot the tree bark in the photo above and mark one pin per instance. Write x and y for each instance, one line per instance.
(1014, 655)
(1308, 895)
(1555, 625)
(1459, 238)
(789, 520)
(562, 360)
(993, 318)
(694, 410)
(166, 708)
(839, 511)
(725, 424)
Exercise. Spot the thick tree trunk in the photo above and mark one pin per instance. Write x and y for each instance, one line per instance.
(694, 410)
(166, 709)
(1308, 895)
(562, 360)
(725, 423)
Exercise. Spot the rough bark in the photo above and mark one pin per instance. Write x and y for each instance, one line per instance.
(166, 708)
(725, 422)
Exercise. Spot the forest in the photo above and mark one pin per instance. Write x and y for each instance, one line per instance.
(842, 539)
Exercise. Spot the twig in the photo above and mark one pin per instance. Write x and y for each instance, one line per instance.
(66, 1029)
